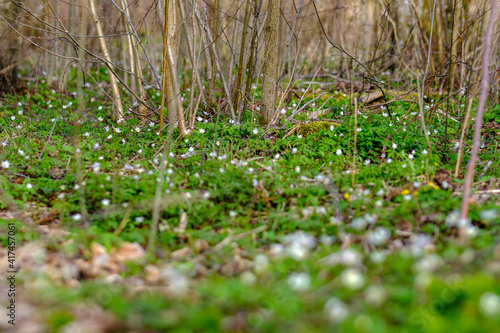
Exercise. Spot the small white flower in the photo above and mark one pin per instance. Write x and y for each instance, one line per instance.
(336, 310)
(233, 214)
(221, 170)
(359, 129)
(299, 136)
(20, 112)
(137, 129)
(13, 117)
(297, 169)
(29, 186)
(117, 130)
(87, 134)
(394, 146)
(77, 217)
(105, 202)
(255, 131)
(110, 137)
(99, 108)
(139, 219)
(389, 160)
(5, 164)
(100, 118)
(410, 156)
(424, 152)
(277, 156)
(294, 150)
(299, 281)
(202, 130)
(352, 279)
(339, 152)
(489, 303)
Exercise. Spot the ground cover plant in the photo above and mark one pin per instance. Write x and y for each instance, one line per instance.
(171, 187)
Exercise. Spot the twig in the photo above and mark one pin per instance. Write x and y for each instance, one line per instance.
(50, 138)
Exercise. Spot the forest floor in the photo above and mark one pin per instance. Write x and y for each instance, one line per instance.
(284, 229)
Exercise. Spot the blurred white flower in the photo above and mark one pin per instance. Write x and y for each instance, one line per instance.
(299, 281)
(336, 310)
(352, 279)
(375, 295)
(489, 303)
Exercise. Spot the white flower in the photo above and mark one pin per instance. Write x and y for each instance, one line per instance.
(137, 129)
(117, 130)
(410, 156)
(297, 169)
(299, 136)
(379, 236)
(105, 202)
(424, 152)
(277, 156)
(21, 152)
(339, 152)
(394, 146)
(29, 186)
(5, 164)
(375, 295)
(87, 134)
(294, 150)
(489, 303)
(20, 112)
(13, 117)
(299, 281)
(202, 130)
(389, 160)
(336, 310)
(255, 131)
(359, 129)
(100, 118)
(139, 219)
(352, 279)
(99, 108)
(77, 217)
(331, 128)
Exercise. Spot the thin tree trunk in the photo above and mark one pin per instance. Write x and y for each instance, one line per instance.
(9, 47)
(478, 122)
(270, 62)
(105, 53)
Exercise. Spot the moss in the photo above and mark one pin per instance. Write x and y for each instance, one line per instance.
(315, 126)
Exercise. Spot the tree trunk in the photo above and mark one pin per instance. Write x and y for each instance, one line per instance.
(270, 62)
(10, 42)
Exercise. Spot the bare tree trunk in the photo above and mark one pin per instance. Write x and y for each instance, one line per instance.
(270, 62)
(478, 122)
(9, 47)
(105, 53)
